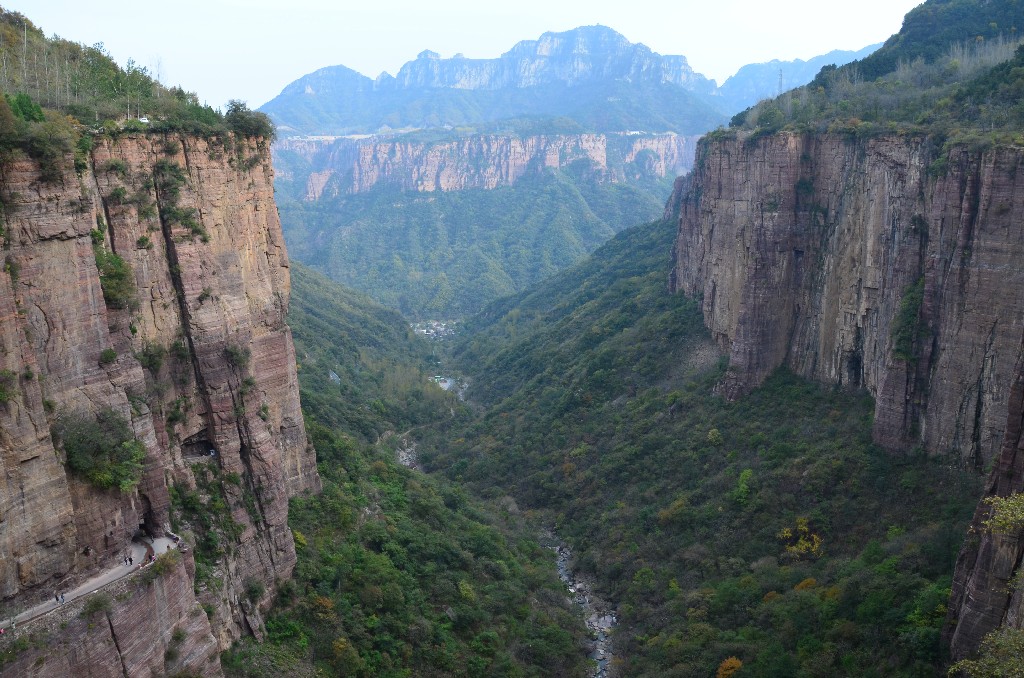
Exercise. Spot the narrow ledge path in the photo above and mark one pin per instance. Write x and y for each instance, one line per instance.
(141, 553)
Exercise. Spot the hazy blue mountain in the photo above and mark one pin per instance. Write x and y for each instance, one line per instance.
(572, 57)
(512, 173)
(754, 82)
(591, 74)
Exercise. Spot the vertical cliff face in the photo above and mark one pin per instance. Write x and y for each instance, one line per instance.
(986, 593)
(139, 629)
(886, 265)
(851, 263)
(332, 167)
(196, 223)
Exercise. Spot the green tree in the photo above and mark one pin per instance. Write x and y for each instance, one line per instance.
(248, 123)
(101, 448)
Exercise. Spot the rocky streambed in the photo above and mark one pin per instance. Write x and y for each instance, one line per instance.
(600, 617)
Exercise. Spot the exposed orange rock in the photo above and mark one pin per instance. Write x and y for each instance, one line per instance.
(338, 166)
(213, 296)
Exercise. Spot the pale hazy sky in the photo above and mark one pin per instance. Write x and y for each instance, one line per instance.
(251, 49)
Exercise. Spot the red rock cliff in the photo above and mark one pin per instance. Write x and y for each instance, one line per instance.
(804, 248)
(888, 265)
(336, 166)
(195, 220)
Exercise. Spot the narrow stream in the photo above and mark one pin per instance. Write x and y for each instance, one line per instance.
(599, 615)
(600, 618)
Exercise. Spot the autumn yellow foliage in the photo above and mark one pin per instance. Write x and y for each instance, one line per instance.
(729, 667)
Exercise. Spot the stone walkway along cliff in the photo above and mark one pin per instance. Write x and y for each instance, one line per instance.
(140, 552)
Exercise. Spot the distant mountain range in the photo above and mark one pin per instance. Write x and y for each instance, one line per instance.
(458, 181)
(754, 82)
(591, 75)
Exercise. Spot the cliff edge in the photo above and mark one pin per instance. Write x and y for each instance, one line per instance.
(190, 349)
(886, 264)
(879, 263)
(332, 167)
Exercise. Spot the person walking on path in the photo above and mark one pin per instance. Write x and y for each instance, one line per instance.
(56, 596)
(62, 599)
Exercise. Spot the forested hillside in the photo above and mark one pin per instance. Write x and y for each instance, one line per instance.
(770, 529)
(87, 84)
(446, 254)
(953, 72)
(399, 573)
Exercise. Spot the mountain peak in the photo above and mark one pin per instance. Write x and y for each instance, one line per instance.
(585, 53)
(590, 74)
(580, 40)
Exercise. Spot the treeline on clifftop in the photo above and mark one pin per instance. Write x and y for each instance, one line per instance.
(398, 573)
(54, 91)
(768, 531)
(955, 71)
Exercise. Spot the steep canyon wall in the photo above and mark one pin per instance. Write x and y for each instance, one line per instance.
(196, 222)
(818, 252)
(887, 264)
(339, 166)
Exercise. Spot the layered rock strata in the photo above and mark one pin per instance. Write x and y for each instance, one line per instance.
(986, 592)
(339, 166)
(140, 626)
(886, 264)
(879, 263)
(195, 221)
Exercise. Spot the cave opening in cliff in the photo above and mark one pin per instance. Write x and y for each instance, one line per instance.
(197, 446)
(149, 525)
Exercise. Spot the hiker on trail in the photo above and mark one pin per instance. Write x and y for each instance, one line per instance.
(56, 596)
(62, 599)
(131, 561)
